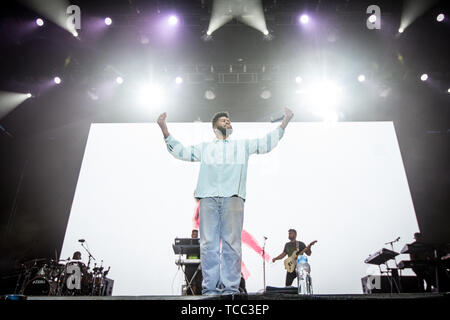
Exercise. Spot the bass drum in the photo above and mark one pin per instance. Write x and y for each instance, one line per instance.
(75, 279)
(38, 286)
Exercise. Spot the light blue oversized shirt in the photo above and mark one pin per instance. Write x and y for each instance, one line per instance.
(223, 163)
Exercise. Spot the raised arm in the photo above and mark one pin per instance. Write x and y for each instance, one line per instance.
(270, 140)
(178, 150)
(163, 125)
(287, 117)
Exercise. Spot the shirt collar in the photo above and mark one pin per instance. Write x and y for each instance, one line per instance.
(224, 140)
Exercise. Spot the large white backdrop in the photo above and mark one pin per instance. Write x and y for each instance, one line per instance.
(342, 184)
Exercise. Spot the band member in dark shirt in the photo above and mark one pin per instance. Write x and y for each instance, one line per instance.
(289, 248)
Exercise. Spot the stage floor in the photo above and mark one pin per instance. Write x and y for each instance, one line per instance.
(267, 296)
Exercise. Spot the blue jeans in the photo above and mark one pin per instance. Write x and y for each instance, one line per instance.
(221, 220)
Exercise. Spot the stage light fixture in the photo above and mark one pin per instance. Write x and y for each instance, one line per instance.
(298, 79)
(372, 18)
(57, 80)
(304, 19)
(400, 30)
(39, 22)
(210, 94)
(108, 21)
(424, 77)
(268, 37)
(361, 78)
(206, 36)
(172, 20)
(265, 94)
(178, 80)
(151, 95)
(440, 17)
(119, 80)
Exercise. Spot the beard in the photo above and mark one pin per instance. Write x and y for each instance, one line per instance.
(224, 131)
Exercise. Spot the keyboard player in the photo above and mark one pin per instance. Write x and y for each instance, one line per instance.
(423, 268)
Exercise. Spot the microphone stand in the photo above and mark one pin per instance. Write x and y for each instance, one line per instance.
(90, 255)
(264, 263)
(393, 278)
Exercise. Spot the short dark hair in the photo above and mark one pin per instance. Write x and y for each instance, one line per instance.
(292, 230)
(218, 115)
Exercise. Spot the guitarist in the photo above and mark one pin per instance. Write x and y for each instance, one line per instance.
(289, 248)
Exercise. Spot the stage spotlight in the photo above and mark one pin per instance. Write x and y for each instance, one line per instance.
(268, 37)
(39, 22)
(57, 80)
(304, 19)
(152, 95)
(119, 80)
(361, 78)
(173, 20)
(400, 30)
(108, 21)
(10, 100)
(206, 37)
(209, 94)
(298, 79)
(178, 80)
(424, 77)
(440, 17)
(448, 90)
(75, 34)
(323, 95)
(249, 12)
(372, 18)
(265, 94)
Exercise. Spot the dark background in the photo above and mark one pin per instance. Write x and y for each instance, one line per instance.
(41, 157)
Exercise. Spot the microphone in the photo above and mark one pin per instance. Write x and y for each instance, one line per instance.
(272, 119)
(81, 240)
(398, 238)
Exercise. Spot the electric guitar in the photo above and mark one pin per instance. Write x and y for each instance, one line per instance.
(290, 263)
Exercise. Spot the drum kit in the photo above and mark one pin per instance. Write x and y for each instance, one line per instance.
(50, 277)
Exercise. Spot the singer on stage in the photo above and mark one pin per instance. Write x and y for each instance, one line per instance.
(221, 191)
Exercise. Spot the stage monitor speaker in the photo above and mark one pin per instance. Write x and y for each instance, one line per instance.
(382, 284)
(290, 290)
(108, 288)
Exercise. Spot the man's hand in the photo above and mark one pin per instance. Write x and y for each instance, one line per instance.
(273, 260)
(162, 119)
(287, 117)
(288, 114)
(162, 124)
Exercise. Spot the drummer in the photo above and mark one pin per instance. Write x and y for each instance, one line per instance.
(76, 257)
